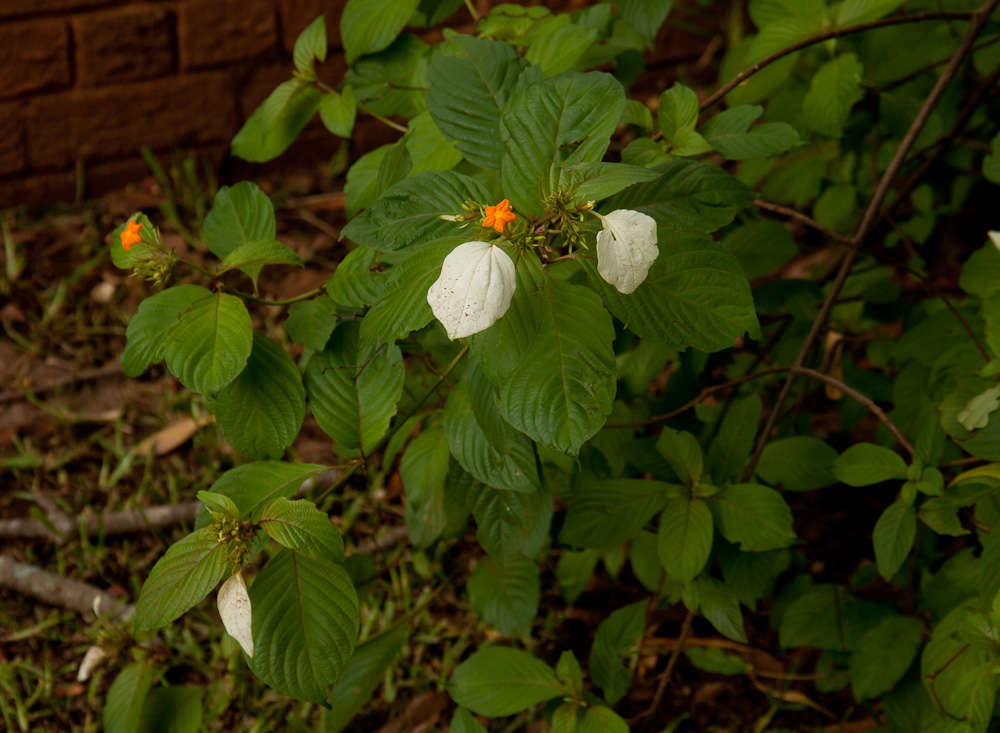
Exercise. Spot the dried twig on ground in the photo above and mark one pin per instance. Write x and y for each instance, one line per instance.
(59, 591)
(111, 523)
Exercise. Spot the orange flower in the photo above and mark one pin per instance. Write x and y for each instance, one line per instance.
(131, 235)
(499, 216)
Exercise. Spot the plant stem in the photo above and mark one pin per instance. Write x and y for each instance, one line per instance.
(801, 218)
(286, 301)
(716, 97)
(671, 663)
(868, 219)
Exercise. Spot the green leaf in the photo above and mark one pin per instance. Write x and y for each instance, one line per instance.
(501, 348)
(685, 537)
(567, 119)
(683, 453)
(186, 573)
(391, 82)
(884, 654)
(854, 12)
(728, 136)
(464, 722)
(510, 467)
(808, 621)
(644, 557)
(599, 719)
(338, 111)
(760, 246)
(253, 485)
(688, 196)
(562, 391)
(558, 46)
(310, 322)
(505, 595)
(353, 390)
(305, 622)
(694, 295)
(356, 283)
(219, 504)
(211, 343)
(721, 608)
(509, 522)
(173, 709)
(597, 181)
(405, 308)
(364, 672)
(152, 324)
(615, 645)
(468, 93)
(834, 89)
(646, 16)
(688, 143)
(241, 214)
(607, 513)
(976, 413)
(966, 686)
(137, 252)
(991, 162)
(573, 571)
(123, 708)
(310, 47)
(424, 472)
(753, 516)
(893, 537)
(498, 681)
(251, 256)
(941, 515)
(299, 525)
(865, 463)
(367, 26)
(276, 122)
(361, 188)
(734, 439)
(408, 214)
(429, 149)
(715, 660)
(569, 673)
(261, 411)
(802, 463)
(678, 111)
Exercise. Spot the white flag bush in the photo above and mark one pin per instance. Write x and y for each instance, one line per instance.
(474, 289)
(626, 248)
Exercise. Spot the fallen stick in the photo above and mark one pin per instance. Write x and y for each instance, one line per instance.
(59, 591)
(111, 523)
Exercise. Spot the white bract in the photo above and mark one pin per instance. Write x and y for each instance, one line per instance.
(474, 289)
(626, 248)
(995, 236)
(234, 607)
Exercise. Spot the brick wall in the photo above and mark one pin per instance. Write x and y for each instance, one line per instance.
(85, 84)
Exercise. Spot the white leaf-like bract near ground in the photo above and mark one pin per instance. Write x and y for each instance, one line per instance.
(474, 289)
(234, 607)
(94, 656)
(626, 248)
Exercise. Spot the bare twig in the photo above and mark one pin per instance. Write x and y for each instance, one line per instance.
(110, 523)
(84, 375)
(801, 218)
(60, 591)
(870, 216)
(671, 663)
(819, 38)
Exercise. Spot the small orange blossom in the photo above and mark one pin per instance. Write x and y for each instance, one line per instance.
(499, 216)
(131, 235)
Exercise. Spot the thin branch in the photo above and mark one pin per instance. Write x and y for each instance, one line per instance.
(929, 67)
(869, 218)
(84, 375)
(671, 663)
(110, 523)
(285, 301)
(812, 40)
(801, 218)
(813, 374)
(59, 591)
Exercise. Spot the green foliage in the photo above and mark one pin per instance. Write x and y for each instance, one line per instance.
(593, 424)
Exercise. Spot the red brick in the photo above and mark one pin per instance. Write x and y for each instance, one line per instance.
(125, 44)
(102, 178)
(11, 8)
(216, 31)
(33, 56)
(265, 77)
(40, 189)
(297, 14)
(109, 122)
(12, 153)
